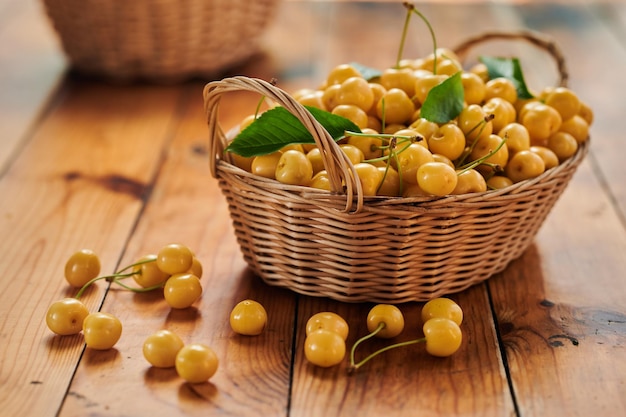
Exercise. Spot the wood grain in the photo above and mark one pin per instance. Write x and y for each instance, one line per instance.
(561, 300)
(254, 371)
(558, 304)
(124, 170)
(27, 78)
(406, 381)
(75, 185)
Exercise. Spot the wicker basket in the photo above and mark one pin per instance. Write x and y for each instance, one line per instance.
(352, 248)
(158, 40)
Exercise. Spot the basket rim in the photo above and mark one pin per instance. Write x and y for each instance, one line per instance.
(342, 173)
(525, 186)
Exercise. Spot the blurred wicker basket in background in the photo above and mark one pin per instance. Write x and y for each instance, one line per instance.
(158, 40)
(353, 248)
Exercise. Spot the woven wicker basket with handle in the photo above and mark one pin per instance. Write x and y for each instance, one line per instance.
(158, 40)
(352, 248)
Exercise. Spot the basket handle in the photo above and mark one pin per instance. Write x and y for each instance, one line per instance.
(341, 173)
(538, 39)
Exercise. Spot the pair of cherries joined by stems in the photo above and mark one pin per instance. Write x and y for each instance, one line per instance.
(325, 343)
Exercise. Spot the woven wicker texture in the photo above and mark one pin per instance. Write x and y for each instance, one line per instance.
(158, 40)
(352, 248)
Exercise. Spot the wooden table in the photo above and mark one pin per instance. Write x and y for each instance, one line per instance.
(123, 170)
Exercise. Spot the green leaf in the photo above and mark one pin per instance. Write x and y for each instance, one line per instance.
(509, 68)
(334, 124)
(367, 72)
(277, 128)
(444, 102)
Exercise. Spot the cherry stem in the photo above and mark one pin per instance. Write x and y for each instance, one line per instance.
(394, 155)
(118, 276)
(481, 161)
(258, 107)
(413, 9)
(377, 330)
(354, 367)
(404, 33)
(392, 146)
(482, 125)
(273, 82)
(110, 278)
(383, 114)
(139, 290)
(145, 261)
(384, 178)
(384, 136)
(393, 151)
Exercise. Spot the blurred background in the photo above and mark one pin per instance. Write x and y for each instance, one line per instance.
(295, 41)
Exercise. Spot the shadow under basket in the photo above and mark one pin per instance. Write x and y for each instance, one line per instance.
(373, 249)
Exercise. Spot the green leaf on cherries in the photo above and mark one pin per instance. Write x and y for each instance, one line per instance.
(444, 101)
(366, 72)
(277, 128)
(509, 68)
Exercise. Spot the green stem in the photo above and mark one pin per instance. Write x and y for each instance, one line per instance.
(354, 367)
(258, 107)
(377, 330)
(400, 180)
(482, 125)
(382, 135)
(145, 261)
(273, 81)
(111, 278)
(383, 114)
(404, 147)
(138, 290)
(392, 146)
(404, 33)
(432, 33)
(482, 160)
(384, 177)
(120, 275)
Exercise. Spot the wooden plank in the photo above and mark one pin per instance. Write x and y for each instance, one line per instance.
(405, 381)
(186, 206)
(31, 64)
(79, 182)
(308, 395)
(551, 315)
(528, 403)
(562, 302)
